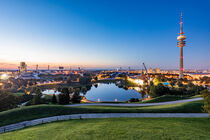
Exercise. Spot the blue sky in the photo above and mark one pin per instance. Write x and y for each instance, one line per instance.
(104, 33)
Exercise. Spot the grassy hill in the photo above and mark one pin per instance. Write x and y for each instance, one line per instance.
(116, 129)
(40, 111)
(167, 98)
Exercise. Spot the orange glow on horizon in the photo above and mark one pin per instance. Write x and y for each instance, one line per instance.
(44, 65)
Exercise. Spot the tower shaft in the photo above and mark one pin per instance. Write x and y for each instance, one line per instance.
(181, 68)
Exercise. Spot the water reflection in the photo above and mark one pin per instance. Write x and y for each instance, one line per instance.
(111, 93)
(105, 92)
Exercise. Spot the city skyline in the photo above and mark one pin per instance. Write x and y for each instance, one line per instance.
(99, 35)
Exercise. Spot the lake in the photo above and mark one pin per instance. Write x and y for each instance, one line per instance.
(106, 93)
(111, 93)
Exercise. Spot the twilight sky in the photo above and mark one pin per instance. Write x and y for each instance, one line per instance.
(103, 33)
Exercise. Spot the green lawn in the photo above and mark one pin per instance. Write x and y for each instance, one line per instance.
(18, 93)
(168, 98)
(40, 111)
(165, 98)
(117, 129)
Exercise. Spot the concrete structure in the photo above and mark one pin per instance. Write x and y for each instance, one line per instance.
(181, 44)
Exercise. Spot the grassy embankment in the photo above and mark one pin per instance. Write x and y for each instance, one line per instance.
(117, 128)
(168, 98)
(40, 111)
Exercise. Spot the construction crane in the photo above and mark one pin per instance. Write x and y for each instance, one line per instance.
(146, 71)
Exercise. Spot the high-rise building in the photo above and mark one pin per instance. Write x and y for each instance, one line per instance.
(181, 44)
(61, 68)
(23, 67)
(37, 68)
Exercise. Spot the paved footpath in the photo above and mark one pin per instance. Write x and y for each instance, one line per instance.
(133, 104)
(20, 125)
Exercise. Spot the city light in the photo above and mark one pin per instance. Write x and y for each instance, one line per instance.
(4, 76)
(139, 81)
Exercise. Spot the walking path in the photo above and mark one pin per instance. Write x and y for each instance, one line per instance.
(133, 104)
(20, 125)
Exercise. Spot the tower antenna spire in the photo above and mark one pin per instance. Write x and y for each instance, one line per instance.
(181, 25)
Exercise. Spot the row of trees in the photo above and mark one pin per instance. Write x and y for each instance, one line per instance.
(159, 89)
(205, 80)
(68, 95)
(7, 101)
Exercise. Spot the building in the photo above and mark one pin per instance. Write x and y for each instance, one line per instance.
(198, 75)
(150, 70)
(157, 70)
(61, 68)
(22, 67)
(181, 44)
(28, 76)
(137, 79)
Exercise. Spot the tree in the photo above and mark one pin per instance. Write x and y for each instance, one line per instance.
(156, 81)
(85, 80)
(64, 96)
(65, 90)
(7, 101)
(96, 78)
(71, 90)
(143, 93)
(190, 84)
(37, 97)
(63, 99)
(205, 80)
(179, 83)
(54, 100)
(84, 90)
(173, 82)
(89, 87)
(159, 90)
(76, 98)
(95, 85)
(206, 97)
